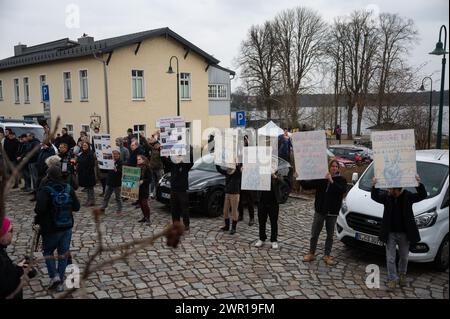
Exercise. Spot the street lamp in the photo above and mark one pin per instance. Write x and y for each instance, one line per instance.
(170, 71)
(440, 50)
(422, 89)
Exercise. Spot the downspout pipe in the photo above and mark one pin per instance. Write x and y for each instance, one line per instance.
(105, 75)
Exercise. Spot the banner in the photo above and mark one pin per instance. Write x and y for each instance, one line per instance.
(130, 182)
(103, 151)
(257, 168)
(394, 154)
(172, 136)
(310, 153)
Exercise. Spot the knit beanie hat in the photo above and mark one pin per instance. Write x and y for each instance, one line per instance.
(6, 225)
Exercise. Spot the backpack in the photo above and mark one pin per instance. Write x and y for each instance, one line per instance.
(62, 204)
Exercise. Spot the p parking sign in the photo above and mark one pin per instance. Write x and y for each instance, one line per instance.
(240, 119)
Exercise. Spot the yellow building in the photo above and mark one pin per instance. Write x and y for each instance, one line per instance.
(123, 81)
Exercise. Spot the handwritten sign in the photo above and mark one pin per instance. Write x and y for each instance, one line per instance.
(257, 168)
(310, 153)
(172, 136)
(394, 154)
(103, 151)
(130, 182)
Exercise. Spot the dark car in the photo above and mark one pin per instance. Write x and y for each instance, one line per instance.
(206, 186)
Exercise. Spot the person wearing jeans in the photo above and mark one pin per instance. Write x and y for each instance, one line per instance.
(60, 242)
(398, 227)
(328, 201)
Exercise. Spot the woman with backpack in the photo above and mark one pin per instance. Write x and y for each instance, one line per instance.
(144, 188)
(86, 172)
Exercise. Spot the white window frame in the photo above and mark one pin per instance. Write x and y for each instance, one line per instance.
(41, 84)
(65, 87)
(26, 89)
(189, 80)
(16, 87)
(88, 130)
(143, 84)
(1, 90)
(139, 131)
(69, 132)
(84, 98)
(216, 87)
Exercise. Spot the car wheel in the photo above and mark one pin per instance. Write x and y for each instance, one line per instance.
(285, 190)
(441, 260)
(214, 203)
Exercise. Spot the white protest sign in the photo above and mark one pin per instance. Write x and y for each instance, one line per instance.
(103, 151)
(172, 136)
(310, 153)
(257, 168)
(394, 154)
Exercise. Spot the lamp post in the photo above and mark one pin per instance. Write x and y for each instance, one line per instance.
(170, 71)
(422, 89)
(440, 50)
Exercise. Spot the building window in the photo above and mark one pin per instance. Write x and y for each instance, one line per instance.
(26, 90)
(87, 129)
(67, 86)
(137, 79)
(69, 128)
(185, 86)
(138, 129)
(42, 82)
(16, 91)
(1, 90)
(217, 91)
(84, 85)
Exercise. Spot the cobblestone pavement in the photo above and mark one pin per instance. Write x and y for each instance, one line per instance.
(212, 264)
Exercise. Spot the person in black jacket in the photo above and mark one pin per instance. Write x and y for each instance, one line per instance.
(86, 172)
(56, 201)
(268, 206)
(144, 188)
(10, 274)
(179, 183)
(136, 150)
(11, 146)
(114, 183)
(329, 194)
(65, 138)
(67, 165)
(398, 227)
(232, 191)
(46, 151)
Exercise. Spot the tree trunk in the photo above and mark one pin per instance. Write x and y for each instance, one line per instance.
(350, 122)
(360, 115)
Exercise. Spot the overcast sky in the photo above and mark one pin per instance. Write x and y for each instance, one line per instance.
(216, 26)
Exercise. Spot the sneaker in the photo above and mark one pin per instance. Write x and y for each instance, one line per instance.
(328, 260)
(402, 280)
(391, 285)
(275, 245)
(259, 243)
(309, 258)
(54, 283)
(251, 222)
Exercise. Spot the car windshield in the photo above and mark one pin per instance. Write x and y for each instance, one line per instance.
(433, 177)
(19, 130)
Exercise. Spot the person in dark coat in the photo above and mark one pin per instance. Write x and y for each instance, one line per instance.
(329, 195)
(86, 172)
(10, 273)
(56, 223)
(129, 139)
(268, 206)
(46, 151)
(136, 150)
(232, 190)
(11, 146)
(65, 138)
(247, 197)
(144, 188)
(68, 165)
(398, 227)
(114, 183)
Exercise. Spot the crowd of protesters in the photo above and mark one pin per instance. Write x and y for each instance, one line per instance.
(62, 166)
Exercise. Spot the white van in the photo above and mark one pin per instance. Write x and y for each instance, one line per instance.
(23, 127)
(359, 220)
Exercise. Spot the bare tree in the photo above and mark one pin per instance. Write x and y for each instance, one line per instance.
(300, 40)
(396, 36)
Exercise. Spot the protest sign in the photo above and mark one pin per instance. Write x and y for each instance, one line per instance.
(257, 168)
(130, 182)
(103, 151)
(310, 153)
(172, 136)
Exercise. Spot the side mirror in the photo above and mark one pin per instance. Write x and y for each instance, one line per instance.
(355, 178)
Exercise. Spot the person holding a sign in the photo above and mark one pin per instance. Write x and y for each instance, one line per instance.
(398, 227)
(114, 182)
(144, 188)
(328, 201)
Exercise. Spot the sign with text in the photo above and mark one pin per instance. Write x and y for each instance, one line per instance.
(394, 154)
(225, 148)
(103, 151)
(310, 154)
(257, 168)
(172, 136)
(130, 182)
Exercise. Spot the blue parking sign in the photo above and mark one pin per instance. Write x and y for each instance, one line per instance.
(240, 119)
(45, 94)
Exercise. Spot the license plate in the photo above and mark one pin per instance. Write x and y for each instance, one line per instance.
(369, 239)
(166, 196)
